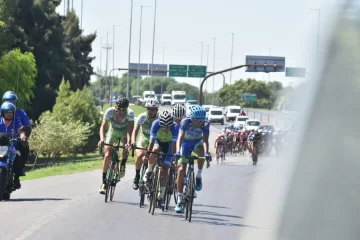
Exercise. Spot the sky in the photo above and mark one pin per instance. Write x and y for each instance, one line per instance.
(285, 28)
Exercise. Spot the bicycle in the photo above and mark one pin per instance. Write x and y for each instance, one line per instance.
(189, 182)
(142, 188)
(254, 154)
(153, 185)
(171, 187)
(112, 174)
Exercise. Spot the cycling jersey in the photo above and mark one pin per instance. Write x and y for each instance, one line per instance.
(192, 133)
(193, 137)
(145, 127)
(22, 117)
(117, 130)
(164, 139)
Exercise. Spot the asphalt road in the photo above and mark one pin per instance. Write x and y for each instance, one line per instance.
(70, 207)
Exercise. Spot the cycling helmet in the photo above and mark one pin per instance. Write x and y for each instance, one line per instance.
(7, 106)
(178, 111)
(9, 96)
(152, 103)
(165, 119)
(122, 103)
(197, 112)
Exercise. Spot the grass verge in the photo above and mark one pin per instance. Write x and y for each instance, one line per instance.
(68, 168)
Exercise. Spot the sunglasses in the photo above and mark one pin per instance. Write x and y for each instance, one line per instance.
(152, 109)
(121, 109)
(199, 120)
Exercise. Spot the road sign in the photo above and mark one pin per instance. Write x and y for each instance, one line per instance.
(197, 71)
(295, 72)
(249, 97)
(157, 67)
(178, 70)
(142, 66)
(273, 64)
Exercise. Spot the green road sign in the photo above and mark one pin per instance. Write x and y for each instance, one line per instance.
(197, 71)
(295, 72)
(178, 70)
(249, 97)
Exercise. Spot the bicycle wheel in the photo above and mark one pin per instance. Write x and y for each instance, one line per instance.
(191, 194)
(157, 188)
(142, 187)
(152, 189)
(109, 177)
(114, 181)
(175, 192)
(169, 188)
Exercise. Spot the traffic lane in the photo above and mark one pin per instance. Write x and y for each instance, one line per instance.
(41, 200)
(218, 211)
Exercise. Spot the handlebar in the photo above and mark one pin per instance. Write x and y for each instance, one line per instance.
(158, 153)
(110, 145)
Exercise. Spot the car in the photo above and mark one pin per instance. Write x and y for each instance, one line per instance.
(216, 116)
(252, 124)
(191, 102)
(231, 112)
(268, 127)
(207, 108)
(166, 99)
(240, 121)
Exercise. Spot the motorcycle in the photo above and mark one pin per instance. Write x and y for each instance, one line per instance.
(8, 153)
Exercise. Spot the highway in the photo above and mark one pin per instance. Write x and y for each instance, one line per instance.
(70, 207)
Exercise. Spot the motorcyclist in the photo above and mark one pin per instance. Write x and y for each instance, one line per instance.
(242, 113)
(21, 115)
(11, 125)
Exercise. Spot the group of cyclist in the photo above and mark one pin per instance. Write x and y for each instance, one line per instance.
(236, 139)
(172, 133)
(15, 124)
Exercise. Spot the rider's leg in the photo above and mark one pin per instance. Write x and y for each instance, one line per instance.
(124, 157)
(152, 161)
(142, 143)
(185, 151)
(199, 149)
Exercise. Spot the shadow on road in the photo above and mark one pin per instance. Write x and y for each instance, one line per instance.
(37, 199)
(211, 206)
(197, 212)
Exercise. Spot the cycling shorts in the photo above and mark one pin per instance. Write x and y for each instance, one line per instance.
(166, 148)
(142, 141)
(112, 136)
(187, 147)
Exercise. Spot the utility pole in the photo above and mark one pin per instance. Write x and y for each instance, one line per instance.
(107, 47)
(232, 53)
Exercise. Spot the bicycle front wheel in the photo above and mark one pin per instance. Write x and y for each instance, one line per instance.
(109, 177)
(157, 188)
(191, 194)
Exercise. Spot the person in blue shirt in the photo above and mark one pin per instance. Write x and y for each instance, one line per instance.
(163, 136)
(10, 124)
(193, 137)
(21, 115)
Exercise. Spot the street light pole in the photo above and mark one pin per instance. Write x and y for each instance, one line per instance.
(232, 52)
(107, 48)
(318, 31)
(81, 18)
(213, 88)
(138, 77)
(207, 66)
(113, 62)
(128, 74)
(153, 47)
(201, 58)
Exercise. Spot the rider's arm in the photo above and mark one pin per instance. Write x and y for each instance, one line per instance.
(130, 128)
(206, 142)
(135, 133)
(153, 133)
(175, 133)
(179, 140)
(103, 129)
(24, 119)
(216, 143)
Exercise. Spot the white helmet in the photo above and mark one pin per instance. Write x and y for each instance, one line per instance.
(152, 103)
(165, 119)
(178, 111)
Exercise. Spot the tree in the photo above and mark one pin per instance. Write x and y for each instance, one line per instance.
(18, 72)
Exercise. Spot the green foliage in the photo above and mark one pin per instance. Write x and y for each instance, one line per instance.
(53, 138)
(18, 72)
(266, 93)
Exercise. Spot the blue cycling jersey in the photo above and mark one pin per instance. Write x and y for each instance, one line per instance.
(192, 133)
(161, 135)
(22, 117)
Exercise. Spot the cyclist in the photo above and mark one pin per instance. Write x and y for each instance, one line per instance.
(257, 139)
(178, 112)
(118, 123)
(163, 136)
(10, 124)
(21, 115)
(193, 136)
(143, 122)
(219, 141)
(242, 113)
(243, 140)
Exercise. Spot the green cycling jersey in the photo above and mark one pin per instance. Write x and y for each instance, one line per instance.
(116, 130)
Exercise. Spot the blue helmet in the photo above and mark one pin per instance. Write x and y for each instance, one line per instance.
(7, 106)
(197, 112)
(9, 96)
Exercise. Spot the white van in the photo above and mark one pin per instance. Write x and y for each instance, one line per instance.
(166, 99)
(252, 124)
(216, 115)
(231, 112)
(240, 121)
